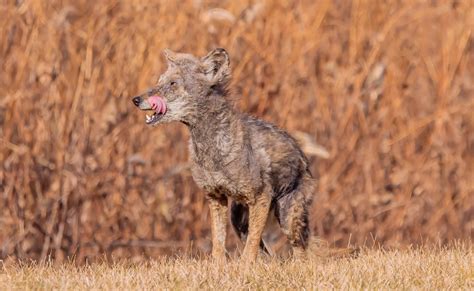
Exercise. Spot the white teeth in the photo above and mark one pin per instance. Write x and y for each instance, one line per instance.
(148, 117)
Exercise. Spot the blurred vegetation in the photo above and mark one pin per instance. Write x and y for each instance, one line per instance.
(380, 93)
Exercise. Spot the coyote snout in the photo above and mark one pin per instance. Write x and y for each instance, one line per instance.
(236, 157)
(154, 103)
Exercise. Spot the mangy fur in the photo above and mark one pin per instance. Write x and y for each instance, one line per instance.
(256, 165)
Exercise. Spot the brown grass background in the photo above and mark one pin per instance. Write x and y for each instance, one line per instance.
(385, 87)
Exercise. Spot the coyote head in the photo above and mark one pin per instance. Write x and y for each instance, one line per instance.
(183, 90)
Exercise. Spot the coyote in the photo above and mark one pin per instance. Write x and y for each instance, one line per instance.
(233, 156)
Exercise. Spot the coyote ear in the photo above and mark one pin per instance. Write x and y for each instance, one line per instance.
(170, 56)
(217, 66)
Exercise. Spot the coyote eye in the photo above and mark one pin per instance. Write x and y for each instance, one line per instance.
(172, 83)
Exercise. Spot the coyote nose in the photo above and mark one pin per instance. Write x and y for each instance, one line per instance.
(137, 100)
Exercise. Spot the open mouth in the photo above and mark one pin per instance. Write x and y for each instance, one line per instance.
(151, 119)
(158, 105)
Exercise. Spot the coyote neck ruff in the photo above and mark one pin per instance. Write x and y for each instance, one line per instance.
(233, 156)
(214, 132)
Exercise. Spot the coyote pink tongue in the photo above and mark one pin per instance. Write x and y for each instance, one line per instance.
(158, 104)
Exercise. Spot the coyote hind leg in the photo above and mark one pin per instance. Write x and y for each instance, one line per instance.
(239, 217)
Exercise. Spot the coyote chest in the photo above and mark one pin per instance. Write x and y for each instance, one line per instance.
(222, 160)
(230, 177)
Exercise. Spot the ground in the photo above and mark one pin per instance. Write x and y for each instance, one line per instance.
(423, 268)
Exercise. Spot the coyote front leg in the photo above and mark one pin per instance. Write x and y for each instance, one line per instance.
(218, 209)
(258, 214)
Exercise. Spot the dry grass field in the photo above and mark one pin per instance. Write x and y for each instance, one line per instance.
(425, 268)
(380, 94)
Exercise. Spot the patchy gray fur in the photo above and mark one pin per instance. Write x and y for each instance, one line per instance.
(233, 155)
